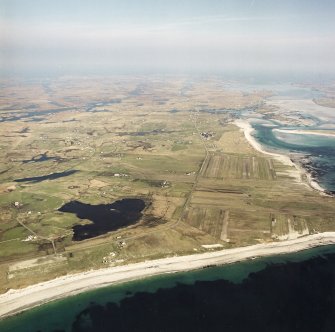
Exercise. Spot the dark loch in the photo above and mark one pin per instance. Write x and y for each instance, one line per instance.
(105, 217)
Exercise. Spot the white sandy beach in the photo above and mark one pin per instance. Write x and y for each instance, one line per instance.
(304, 132)
(297, 173)
(247, 129)
(15, 301)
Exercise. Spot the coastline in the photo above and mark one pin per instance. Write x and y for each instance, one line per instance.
(15, 301)
(299, 171)
(303, 132)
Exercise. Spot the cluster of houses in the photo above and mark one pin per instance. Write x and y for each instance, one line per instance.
(207, 135)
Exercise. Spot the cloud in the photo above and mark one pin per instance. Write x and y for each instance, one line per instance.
(212, 42)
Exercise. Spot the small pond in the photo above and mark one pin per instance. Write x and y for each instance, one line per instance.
(52, 176)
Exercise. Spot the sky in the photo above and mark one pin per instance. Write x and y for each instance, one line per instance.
(170, 36)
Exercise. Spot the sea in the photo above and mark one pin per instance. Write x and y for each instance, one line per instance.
(314, 153)
(291, 292)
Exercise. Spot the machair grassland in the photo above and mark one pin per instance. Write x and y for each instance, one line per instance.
(122, 138)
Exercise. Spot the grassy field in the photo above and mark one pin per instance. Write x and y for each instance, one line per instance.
(113, 143)
(235, 166)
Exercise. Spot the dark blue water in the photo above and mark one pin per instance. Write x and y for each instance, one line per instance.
(317, 153)
(105, 217)
(40, 158)
(52, 176)
(293, 292)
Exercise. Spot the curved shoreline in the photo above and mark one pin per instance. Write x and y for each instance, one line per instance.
(247, 129)
(15, 301)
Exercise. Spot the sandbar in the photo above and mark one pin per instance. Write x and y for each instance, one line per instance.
(304, 132)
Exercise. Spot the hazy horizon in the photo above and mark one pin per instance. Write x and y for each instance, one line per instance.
(173, 37)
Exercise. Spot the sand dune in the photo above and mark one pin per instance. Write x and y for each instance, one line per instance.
(18, 300)
(15, 301)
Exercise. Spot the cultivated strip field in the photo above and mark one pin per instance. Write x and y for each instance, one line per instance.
(232, 166)
(171, 144)
(211, 220)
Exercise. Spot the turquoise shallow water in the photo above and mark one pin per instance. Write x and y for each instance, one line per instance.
(317, 153)
(128, 305)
